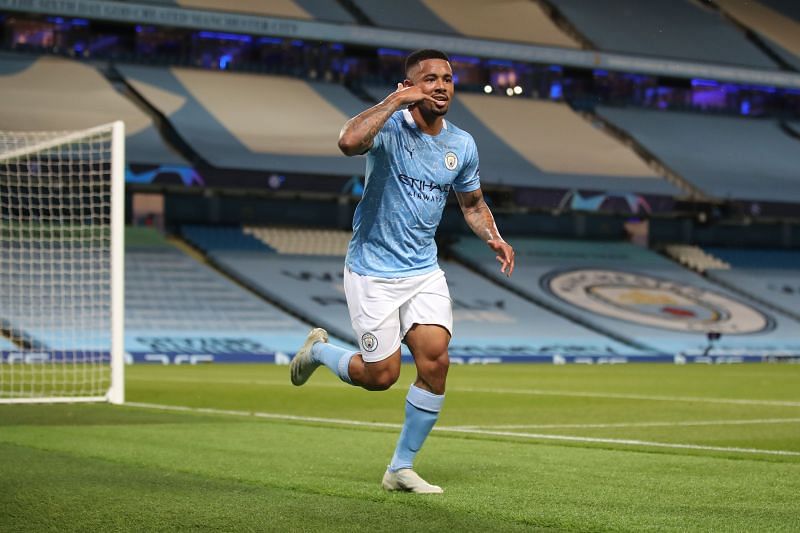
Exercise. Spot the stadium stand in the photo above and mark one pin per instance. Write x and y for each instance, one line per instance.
(758, 259)
(245, 121)
(779, 31)
(175, 303)
(639, 295)
(302, 241)
(55, 94)
(665, 28)
(5, 344)
(789, 8)
(771, 276)
(211, 239)
(502, 20)
(297, 9)
(53, 319)
(489, 320)
(723, 156)
(794, 128)
(534, 143)
(695, 258)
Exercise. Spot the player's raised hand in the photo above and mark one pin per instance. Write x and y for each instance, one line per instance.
(410, 95)
(505, 255)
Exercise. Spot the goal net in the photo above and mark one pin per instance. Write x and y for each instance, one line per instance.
(62, 265)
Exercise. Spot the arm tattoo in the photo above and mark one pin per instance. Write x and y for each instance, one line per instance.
(366, 125)
(478, 215)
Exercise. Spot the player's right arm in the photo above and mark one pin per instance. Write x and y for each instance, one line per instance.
(359, 132)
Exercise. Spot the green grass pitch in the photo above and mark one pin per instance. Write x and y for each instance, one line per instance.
(517, 448)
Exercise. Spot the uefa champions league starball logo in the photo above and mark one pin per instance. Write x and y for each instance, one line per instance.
(656, 302)
(369, 342)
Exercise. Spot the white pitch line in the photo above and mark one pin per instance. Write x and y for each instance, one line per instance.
(537, 436)
(534, 392)
(641, 424)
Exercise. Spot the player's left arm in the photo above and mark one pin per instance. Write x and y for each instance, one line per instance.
(480, 219)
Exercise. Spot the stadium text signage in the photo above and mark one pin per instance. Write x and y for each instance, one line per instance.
(655, 302)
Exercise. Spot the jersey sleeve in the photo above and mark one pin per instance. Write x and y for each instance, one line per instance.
(469, 178)
(384, 136)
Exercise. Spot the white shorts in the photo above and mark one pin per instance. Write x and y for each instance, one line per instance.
(382, 310)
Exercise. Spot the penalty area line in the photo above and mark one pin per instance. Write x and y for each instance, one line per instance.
(461, 430)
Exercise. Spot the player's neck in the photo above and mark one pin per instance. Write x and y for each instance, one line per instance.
(430, 124)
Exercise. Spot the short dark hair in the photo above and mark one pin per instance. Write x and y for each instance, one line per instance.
(421, 55)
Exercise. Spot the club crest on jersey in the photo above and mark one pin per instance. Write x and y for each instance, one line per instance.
(369, 342)
(450, 160)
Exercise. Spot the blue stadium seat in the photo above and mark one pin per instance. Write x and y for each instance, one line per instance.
(663, 28)
(215, 238)
(726, 157)
(772, 276)
(173, 301)
(247, 121)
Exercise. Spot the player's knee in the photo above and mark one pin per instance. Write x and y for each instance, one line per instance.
(384, 380)
(441, 364)
(435, 366)
(384, 374)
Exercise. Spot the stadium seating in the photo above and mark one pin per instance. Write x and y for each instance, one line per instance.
(215, 238)
(723, 156)
(788, 8)
(534, 143)
(640, 296)
(5, 344)
(772, 276)
(503, 20)
(54, 319)
(82, 98)
(695, 258)
(174, 303)
(302, 241)
(794, 128)
(779, 31)
(297, 9)
(663, 28)
(253, 122)
(488, 321)
(758, 259)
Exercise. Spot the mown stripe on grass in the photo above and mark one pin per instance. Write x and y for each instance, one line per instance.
(643, 397)
(493, 433)
(682, 423)
(535, 392)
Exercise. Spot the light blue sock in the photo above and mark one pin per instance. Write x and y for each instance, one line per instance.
(422, 411)
(335, 358)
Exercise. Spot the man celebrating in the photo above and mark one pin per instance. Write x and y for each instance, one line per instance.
(395, 290)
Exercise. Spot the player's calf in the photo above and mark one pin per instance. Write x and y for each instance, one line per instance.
(377, 376)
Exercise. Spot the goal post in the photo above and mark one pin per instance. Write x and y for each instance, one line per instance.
(62, 272)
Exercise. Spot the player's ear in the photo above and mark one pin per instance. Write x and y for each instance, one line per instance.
(407, 83)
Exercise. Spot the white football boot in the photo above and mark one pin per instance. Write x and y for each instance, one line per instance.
(303, 365)
(407, 480)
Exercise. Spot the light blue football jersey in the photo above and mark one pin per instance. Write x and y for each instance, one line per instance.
(409, 175)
